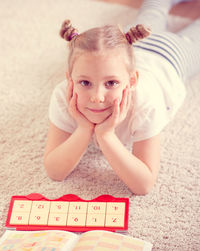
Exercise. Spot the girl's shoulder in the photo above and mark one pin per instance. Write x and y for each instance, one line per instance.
(61, 88)
(59, 95)
(58, 108)
(155, 103)
(163, 90)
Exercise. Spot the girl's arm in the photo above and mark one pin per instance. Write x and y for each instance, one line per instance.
(64, 150)
(139, 169)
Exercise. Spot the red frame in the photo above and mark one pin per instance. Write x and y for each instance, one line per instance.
(70, 198)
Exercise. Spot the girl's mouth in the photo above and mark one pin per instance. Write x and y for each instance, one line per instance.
(98, 110)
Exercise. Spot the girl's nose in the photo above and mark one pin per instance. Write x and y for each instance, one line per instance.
(97, 97)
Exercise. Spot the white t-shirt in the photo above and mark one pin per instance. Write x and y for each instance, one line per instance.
(158, 95)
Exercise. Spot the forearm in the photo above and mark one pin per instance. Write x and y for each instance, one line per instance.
(132, 171)
(61, 161)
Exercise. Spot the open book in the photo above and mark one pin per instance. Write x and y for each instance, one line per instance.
(56, 240)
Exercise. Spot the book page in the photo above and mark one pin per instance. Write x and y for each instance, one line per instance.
(38, 240)
(107, 241)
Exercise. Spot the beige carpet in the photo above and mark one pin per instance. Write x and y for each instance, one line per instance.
(32, 63)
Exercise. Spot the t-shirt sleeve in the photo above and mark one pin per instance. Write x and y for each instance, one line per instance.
(148, 123)
(150, 114)
(58, 109)
(159, 94)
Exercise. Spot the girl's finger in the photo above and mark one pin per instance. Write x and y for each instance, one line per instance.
(69, 91)
(124, 100)
(116, 110)
(129, 98)
(73, 108)
(73, 102)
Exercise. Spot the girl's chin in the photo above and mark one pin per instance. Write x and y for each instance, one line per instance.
(97, 119)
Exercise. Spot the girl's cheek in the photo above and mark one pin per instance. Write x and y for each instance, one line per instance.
(77, 90)
(82, 98)
(80, 103)
(116, 94)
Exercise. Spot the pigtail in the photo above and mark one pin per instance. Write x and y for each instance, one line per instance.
(137, 33)
(68, 32)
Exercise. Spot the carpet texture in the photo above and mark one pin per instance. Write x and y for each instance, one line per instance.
(32, 63)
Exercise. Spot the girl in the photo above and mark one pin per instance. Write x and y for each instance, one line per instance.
(118, 93)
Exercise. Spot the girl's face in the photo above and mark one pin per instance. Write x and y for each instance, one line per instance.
(99, 80)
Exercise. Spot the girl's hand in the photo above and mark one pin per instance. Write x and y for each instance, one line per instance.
(118, 115)
(81, 120)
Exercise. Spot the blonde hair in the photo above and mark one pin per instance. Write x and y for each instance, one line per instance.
(99, 39)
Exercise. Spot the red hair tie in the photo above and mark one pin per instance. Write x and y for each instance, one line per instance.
(73, 35)
(128, 38)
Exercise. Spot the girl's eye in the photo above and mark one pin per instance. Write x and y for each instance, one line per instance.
(85, 83)
(111, 83)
